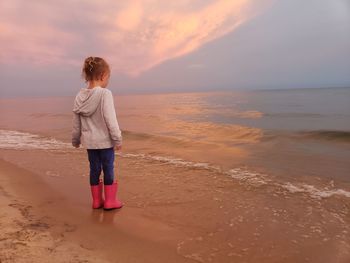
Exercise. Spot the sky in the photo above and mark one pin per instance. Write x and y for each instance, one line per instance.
(174, 46)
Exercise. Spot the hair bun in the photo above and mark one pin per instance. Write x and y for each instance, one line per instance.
(94, 67)
(90, 61)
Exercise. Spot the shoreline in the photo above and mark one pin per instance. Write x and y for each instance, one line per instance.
(38, 222)
(29, 235)
(172, 214)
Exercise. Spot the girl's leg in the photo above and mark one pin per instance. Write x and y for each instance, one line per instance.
(107, 160)
(95, 165)
(110, 187)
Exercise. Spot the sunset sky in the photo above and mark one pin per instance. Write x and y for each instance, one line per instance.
(170, 46)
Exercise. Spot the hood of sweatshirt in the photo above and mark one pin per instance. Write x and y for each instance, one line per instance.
(87, 101)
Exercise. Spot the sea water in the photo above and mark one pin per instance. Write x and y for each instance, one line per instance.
(296, 139)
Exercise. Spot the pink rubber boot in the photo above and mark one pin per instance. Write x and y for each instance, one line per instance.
(111, 200)
(97, 198)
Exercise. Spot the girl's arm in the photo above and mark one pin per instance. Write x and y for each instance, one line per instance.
(110, 118)
(76, 130)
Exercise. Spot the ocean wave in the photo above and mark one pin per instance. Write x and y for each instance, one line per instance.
(178, 131)
(313, 191)
(248, 177)
(327, 135)
(171, 160)
(17, 140)
(294, 115)
(320, 135)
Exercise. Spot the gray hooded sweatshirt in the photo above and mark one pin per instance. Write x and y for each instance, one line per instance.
(95, 124)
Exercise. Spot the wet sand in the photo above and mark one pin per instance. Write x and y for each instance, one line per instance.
(171, 214)
(39, 222)
(29, 231)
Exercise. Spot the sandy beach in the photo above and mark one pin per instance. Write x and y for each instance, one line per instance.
(192, 217)
(204, 203)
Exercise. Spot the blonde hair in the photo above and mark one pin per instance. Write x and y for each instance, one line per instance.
(94, 68)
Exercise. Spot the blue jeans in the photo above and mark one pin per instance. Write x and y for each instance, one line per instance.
(101, 159)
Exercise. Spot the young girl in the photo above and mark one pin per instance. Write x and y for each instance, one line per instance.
(95, 123)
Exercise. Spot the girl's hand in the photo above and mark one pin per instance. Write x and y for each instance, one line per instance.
(118, 147)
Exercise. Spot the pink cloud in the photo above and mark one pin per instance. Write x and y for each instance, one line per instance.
(133, 35)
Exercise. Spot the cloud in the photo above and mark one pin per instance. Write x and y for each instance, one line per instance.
(40, 45)
(164, 33)
(130, 17)
(30, 35)
(134, 36)
(196, 66)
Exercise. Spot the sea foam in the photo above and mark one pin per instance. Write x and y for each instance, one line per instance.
(17, 140)
(246, 176)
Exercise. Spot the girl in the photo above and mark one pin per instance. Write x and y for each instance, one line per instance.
(95, 122)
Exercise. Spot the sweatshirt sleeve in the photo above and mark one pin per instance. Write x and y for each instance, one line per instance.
(110, 117)
(76, 129)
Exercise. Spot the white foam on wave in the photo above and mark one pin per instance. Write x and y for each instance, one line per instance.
(313, 191)
(172, 160)
(241, 174)
(247, 176)
(17, 140)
